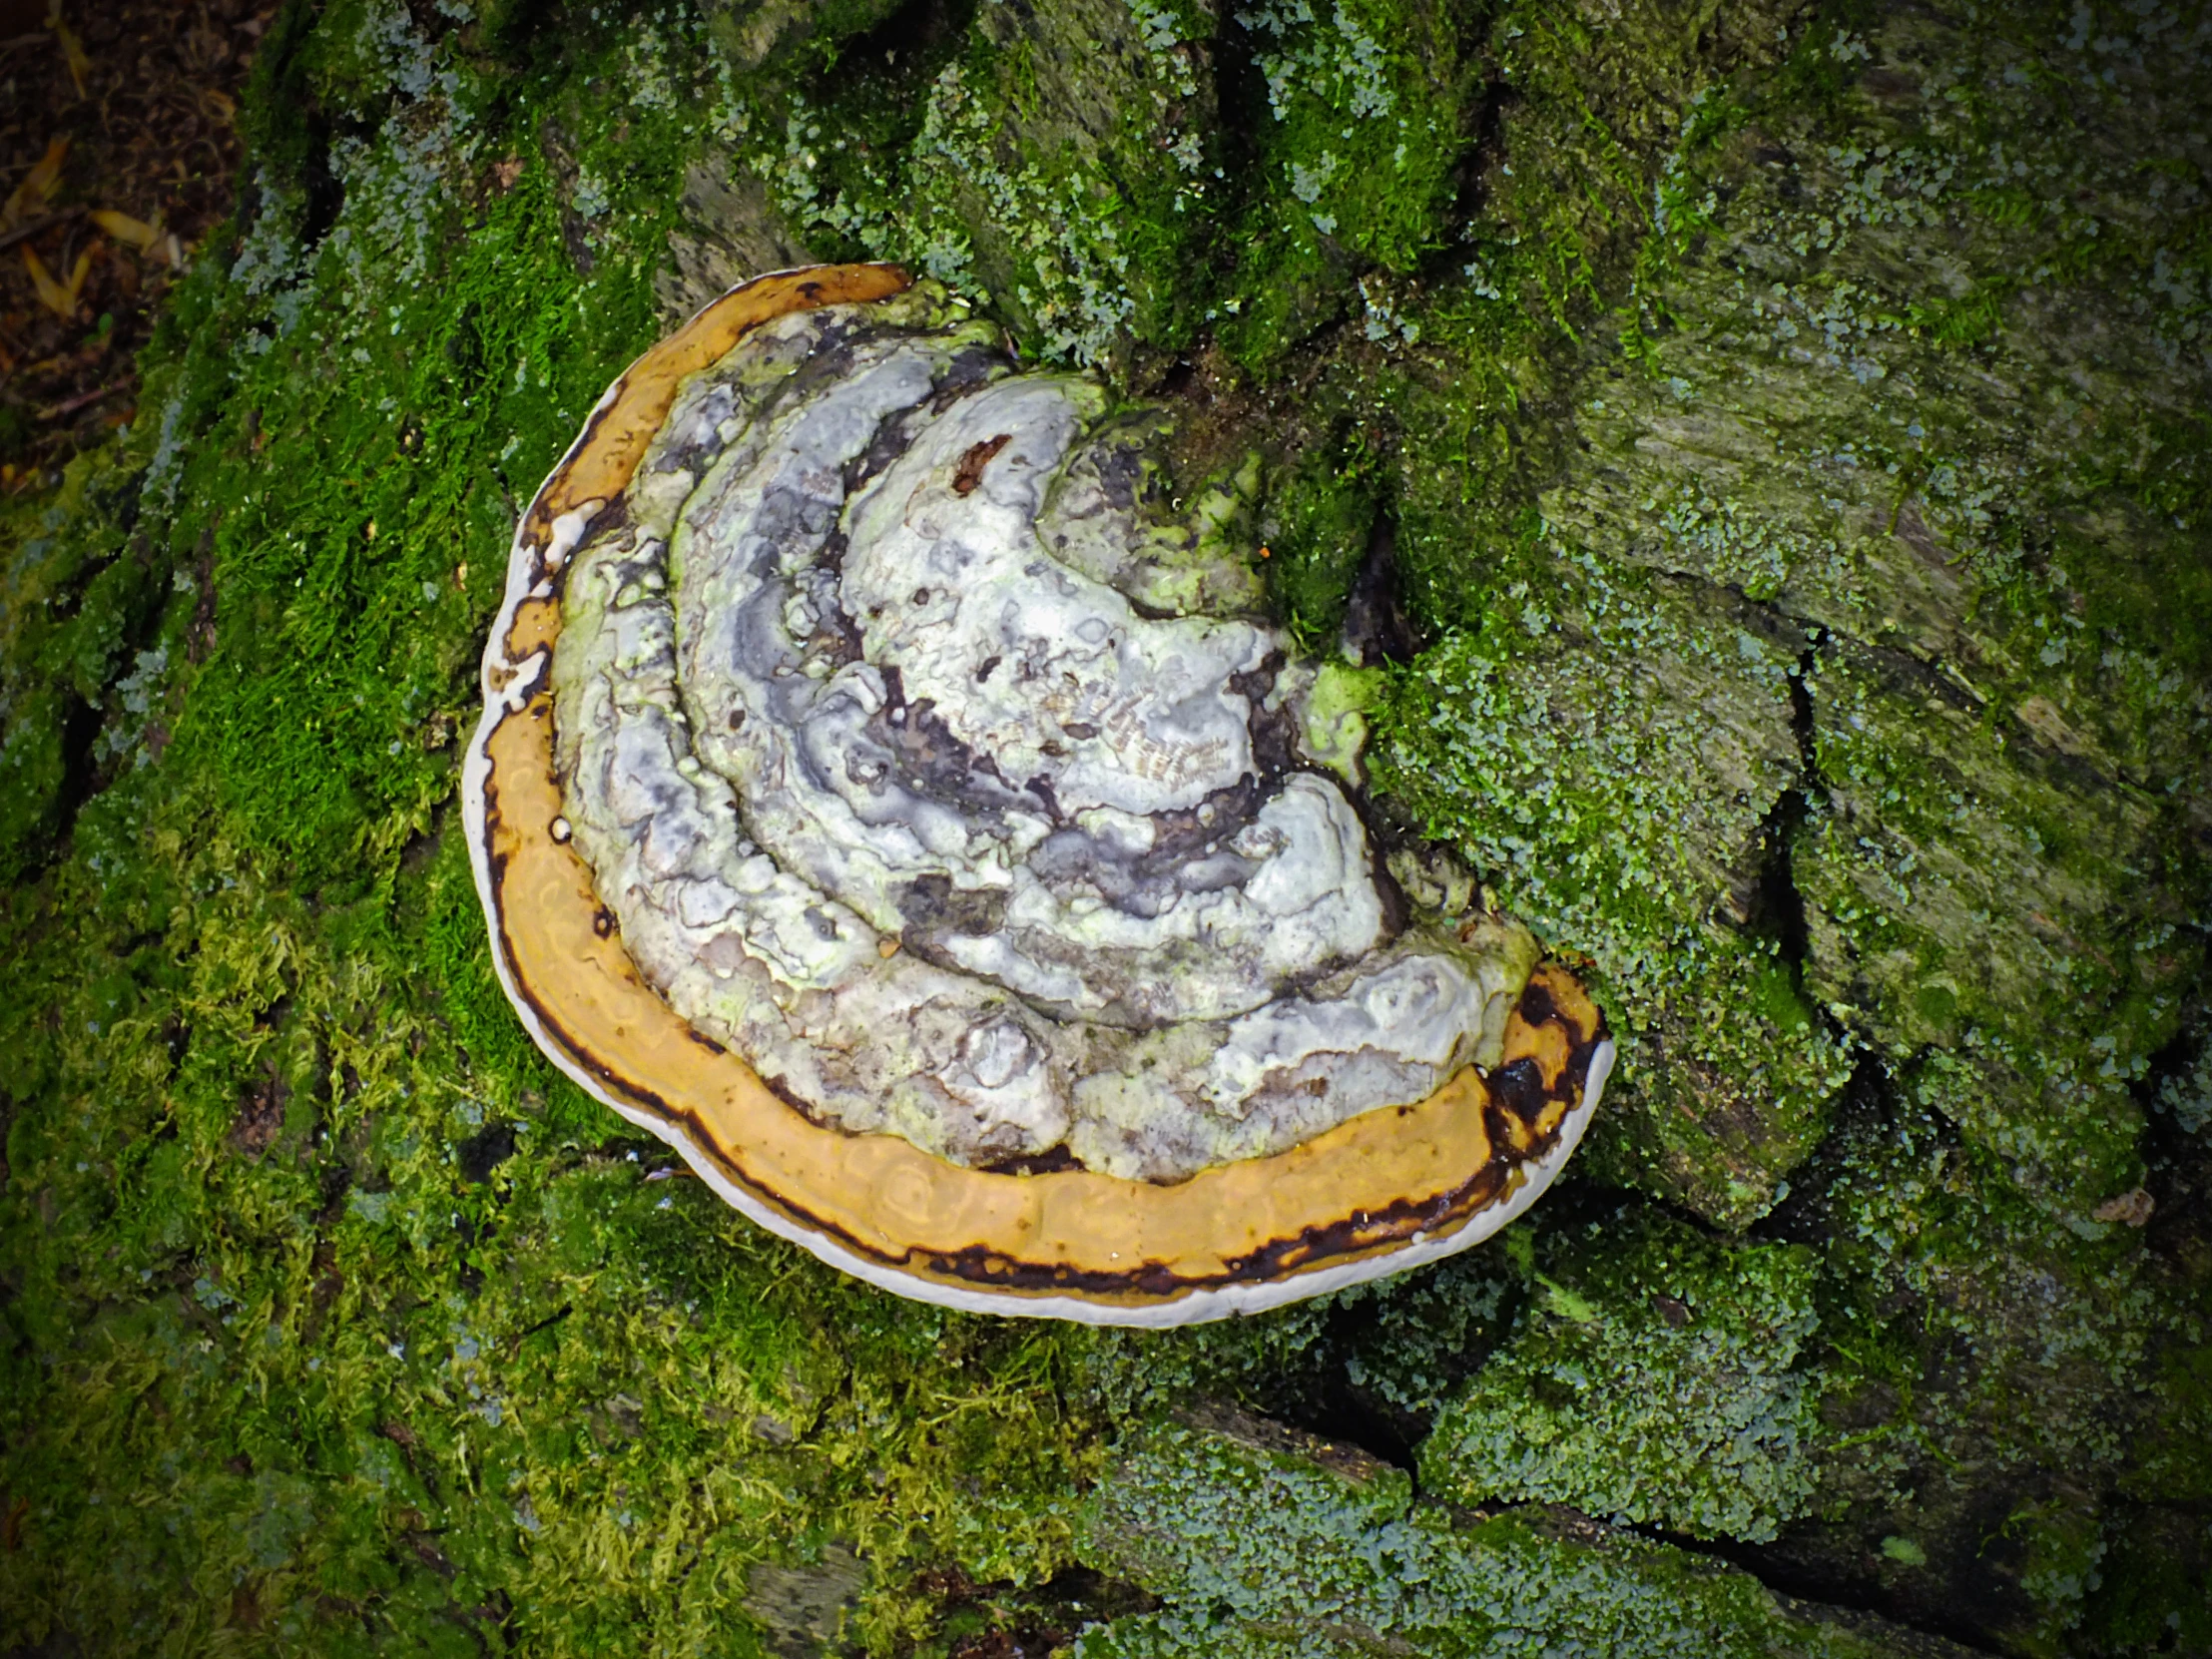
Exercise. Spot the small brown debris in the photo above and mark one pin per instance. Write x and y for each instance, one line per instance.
(2130, 1209)
(73, 404)
(261, 1116)
(970, 473)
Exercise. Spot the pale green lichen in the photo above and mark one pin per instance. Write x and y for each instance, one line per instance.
(1605, 755)
(1261, 1541)
(1335, 728)
(1659, 1379)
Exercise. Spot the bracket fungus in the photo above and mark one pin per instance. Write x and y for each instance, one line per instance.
(885, 799)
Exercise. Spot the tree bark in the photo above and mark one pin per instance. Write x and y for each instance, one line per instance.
(1780, 435)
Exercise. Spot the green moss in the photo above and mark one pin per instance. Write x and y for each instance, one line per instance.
(1658, 1379)
(1317, 528)
(1058, 161)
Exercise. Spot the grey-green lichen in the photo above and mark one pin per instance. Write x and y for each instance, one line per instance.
(1659, 1379)
(1607, 751)
(1874, 399)
(1262, 1541)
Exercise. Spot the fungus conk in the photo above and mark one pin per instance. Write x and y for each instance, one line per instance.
(887, 797)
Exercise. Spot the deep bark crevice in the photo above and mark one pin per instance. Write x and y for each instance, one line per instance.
(80, 773)
(324, 192)
(918, 29)
(1865, 1106)
(1378, 626)
(2177, 1162)
(1471, 187)
(1778, 907)
(1339, 1412)
(1817, 1590)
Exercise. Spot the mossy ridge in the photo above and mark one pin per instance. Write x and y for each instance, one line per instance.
(1970, 529)
(1657, 1379)
(1060, 161)
(1265, 1542)
(80, 594)
(1353, 123)
(1627, 813)
(2011, 964)
(1989, 1371)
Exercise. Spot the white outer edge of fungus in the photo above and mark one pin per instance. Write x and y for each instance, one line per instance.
(508, 685)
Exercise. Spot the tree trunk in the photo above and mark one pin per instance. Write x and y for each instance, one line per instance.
(1762, 451)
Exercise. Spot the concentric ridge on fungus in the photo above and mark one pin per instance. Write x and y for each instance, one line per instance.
(888, 801)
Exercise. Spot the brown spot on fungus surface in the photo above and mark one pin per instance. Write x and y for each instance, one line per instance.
(970, 473)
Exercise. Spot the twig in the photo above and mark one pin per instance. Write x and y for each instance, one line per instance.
(22, 233)
(515, 1342)
(72, 405)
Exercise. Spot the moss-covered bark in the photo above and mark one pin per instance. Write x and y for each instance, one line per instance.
(1759, 451)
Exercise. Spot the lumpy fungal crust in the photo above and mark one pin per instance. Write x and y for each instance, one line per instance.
(902, 781)
(963, 886)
